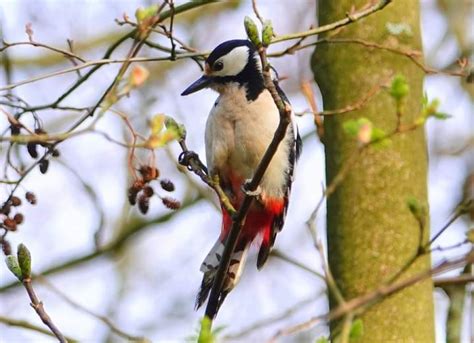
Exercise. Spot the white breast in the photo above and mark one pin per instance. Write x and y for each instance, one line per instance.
(238, 134)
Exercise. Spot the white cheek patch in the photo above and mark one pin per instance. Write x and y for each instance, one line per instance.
(234, 62)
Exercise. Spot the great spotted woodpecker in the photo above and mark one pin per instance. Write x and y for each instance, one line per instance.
(239, 130)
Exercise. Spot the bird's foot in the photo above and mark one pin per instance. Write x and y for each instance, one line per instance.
(254, 193)
(186, 157)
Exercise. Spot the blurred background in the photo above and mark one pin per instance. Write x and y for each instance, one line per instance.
(148, 285)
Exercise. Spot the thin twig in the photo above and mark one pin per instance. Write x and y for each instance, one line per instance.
(369, 299)
(278, 254)
(192, 162)
(451, 220)
(39, 308)
(111, 325)
(463, 279)
(329, 27)
(29, 326)
(272, 320)
(66, 53)
(255, 10)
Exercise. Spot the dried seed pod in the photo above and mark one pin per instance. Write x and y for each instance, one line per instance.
(15, 201)
(44, 165)
(10, 224)
(143, 204)
(149, 173)
(138, 185)
(132, 195)
(148, 191)
(167, 185)
(15, 129)
(31, 198)
(6, 247)
(18, 218)
(6, 209)
(171, 203)
(32, 149)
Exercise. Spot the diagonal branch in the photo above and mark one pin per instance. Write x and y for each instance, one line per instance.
(37, 305)
(365, 301)
(350, 18)
(237, 222)
(29, 326)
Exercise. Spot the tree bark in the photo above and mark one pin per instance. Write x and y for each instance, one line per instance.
(370, 230)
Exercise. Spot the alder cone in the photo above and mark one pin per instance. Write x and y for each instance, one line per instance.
(32, 149)
(43, 166)
(143, 204)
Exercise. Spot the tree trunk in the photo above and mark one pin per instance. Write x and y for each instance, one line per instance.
(371, 232)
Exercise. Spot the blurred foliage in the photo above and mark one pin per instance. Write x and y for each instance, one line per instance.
(459, 15)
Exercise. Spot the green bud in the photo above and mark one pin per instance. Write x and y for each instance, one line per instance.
(399, 88)
(414, 206)
(205, 334)
(24, 260)
(441, 115)
(252, 31)
(357, 329)
(417, 209)
(174, 125)
(267, 33)
(142, 14)
(12, 264)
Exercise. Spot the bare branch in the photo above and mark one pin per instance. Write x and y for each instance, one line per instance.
(27, 325)
(39, 308)
(364, 301)
(112, 326)
(337, 24)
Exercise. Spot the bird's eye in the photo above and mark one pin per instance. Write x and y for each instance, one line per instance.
(218, 66)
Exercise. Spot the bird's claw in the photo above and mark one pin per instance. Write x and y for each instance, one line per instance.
(248, 192)
(185, 157)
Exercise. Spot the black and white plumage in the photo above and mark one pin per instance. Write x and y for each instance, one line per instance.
(239, 130)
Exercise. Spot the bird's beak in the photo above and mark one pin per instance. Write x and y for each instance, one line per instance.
(197, 85)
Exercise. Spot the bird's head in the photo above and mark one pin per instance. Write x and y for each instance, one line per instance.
(231, 62)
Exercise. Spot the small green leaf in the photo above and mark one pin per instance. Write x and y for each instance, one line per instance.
(322, 340)
(424, 101)
(267, 33)
(252, 31)
(142, 14)
(418, 209)
(441, 115)
(24, 260)
(12, 264)
(357, 329)
(379, 138)
(157, 123)
(413, 205)
(351, 127)
(399, 88)
(205, 334)
(179, 128)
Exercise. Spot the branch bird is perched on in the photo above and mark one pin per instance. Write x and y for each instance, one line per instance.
(239, 130)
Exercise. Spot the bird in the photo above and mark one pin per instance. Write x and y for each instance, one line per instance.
(239, 129)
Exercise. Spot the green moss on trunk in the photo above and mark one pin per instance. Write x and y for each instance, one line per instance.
(371, 232)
